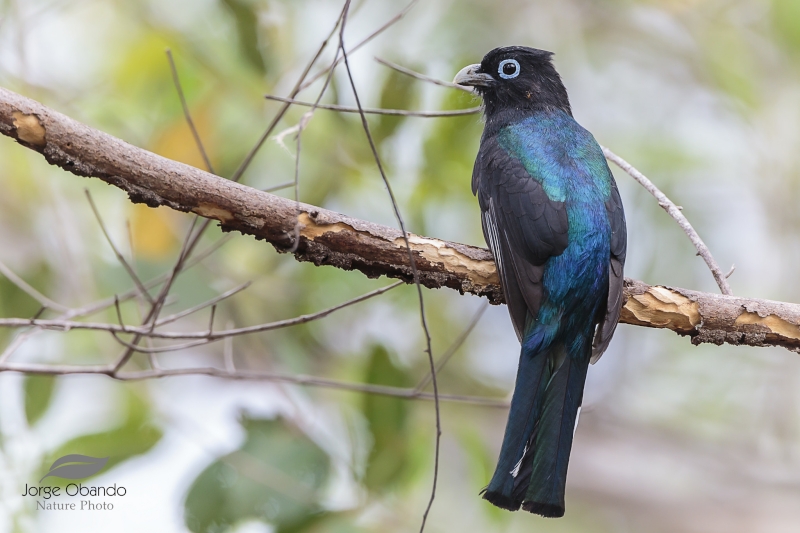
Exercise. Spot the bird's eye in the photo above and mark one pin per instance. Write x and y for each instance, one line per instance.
(509, 68)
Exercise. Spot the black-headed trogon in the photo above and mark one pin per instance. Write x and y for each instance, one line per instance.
(553, 219)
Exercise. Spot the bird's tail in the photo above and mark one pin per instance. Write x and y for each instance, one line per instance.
(532, 469)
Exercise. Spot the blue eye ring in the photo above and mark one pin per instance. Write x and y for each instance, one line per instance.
(501, 68)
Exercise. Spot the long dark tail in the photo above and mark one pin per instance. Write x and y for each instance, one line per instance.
(532, 469)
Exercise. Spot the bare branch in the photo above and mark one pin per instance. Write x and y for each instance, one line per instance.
(377, 111)
(412, 262)
(329, 238)
(423, 77)
(212, 302)
(135, 348)
(453, 347)
(148, 330)
(675, 212)
(297, 379)
(127, 266)
(294, 92)
(178, 87)
(30, 291)
(391, 22)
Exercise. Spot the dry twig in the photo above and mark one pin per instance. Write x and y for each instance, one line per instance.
(375, 111)
(675, 213)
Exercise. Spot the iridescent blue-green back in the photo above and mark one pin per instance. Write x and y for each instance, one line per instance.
(553, 219)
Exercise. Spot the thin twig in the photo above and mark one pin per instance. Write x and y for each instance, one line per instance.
(294, 92)
(124, 262)
(186, 113)
(423, 77)
(411, 259)
(378, 111)
(278, 187)
(191, 241)
(119, 314)
(211, 320)
(391, 22)
(675, 213)
(147, 330)
(453, 347)
(297, 379)
(30, 291)
(227, 352)
(155, 309)
(96, 307)
(136, 348)
(225, 295)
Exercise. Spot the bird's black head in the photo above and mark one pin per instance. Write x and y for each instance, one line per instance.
(516, 78)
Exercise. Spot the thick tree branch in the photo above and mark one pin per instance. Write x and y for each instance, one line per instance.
(329, 238)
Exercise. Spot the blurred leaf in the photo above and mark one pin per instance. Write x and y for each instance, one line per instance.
(135, 436)
(786, 19)
(730, 63)
(449, 154)
(14, 302)
(38, 393)
(480, 464)
(397, 93)
(276, 476)
(247, 27)
(387, 418)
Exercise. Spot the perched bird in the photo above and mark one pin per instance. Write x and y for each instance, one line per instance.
(553, 219)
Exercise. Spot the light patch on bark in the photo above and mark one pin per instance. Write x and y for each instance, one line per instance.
(29, 129)
(438, 251)
(212, 211)
(663, 308)
(776, 324)
(311, 229)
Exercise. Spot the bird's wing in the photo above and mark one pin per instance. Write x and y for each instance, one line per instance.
(522, 226)
(619, 244)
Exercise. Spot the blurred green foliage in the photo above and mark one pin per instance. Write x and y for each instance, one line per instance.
(135, 435)
(38, 393)
(276, 476)
(387, 418)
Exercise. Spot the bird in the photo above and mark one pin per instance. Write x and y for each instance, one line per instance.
(553, 219)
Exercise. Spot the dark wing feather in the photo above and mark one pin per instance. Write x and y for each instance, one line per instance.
(522, 226)
(619, 245)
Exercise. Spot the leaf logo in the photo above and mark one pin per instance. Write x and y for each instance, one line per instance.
(76, 466)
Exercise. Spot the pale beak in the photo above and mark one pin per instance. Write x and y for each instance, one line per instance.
(470, 77)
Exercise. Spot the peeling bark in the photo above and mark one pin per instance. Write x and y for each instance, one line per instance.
(329, 238)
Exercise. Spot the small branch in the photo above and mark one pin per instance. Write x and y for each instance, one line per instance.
(179, 88)
(423, 77)
(212, 302)
(135, 348)
(294, 92)
(297, 379)
(391, 22)
(376, 111)
(675, 212)
(127, 266)
(148, 330)
(453, 347)
(30, 291)
(412, 262)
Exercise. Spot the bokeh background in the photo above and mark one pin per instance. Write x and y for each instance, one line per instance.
(703, 96)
